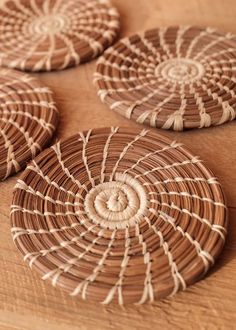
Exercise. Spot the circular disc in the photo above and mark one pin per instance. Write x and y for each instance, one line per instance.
(172, 78)
(119, 215)
(28, 118)
(44, 35)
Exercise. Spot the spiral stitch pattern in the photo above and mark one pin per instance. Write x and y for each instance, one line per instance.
(172, 78)
(44, 35)
(119, 215)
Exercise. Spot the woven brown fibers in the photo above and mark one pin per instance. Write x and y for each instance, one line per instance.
(173, 78)
(119, 215)
(44, 35)
(28, 118)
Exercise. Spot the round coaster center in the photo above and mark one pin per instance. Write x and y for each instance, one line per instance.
(180, 70)
(118, 203)
(48, 24)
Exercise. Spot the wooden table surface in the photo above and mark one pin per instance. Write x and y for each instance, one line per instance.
(26, 302)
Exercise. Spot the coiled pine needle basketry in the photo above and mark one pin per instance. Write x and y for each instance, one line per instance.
(45, 35)
(119, 215)
(28, 118)
(173, 78)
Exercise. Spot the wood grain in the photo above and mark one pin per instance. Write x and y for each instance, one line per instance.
(26, 302)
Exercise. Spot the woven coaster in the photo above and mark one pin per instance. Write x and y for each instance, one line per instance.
(45, 35)
(119, 215)
(173, 78)
(28, 118)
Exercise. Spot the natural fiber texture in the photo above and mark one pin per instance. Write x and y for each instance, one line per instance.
(173, 78)
(119, 215)
(44, 35)
(28, 118)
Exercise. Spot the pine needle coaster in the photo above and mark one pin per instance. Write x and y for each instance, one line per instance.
(119, 215)
(45, 35)
(28, 119)
(173, 78)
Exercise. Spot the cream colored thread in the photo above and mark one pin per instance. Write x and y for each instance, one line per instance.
(229, 112)
(176, 119)
(36, 8)
(57, 150)
(218, 54)
(147, 43)
(23, 11)
(163, 43)
(35, 103)
(23, 186)
(22, 231)
(16, 208)
(57, 5)
(105, 152)
(45, 7)
(24, 78)
(49, 127)
(177, 278)
(11, 160)
(71, 51)
(152, 114)
(103, 93)
(194, 160)
(148, 292)
(38, 90)
(205, 118)
(38, 171)
(14, 49)
(96, 46)
(71, 262)
(146, 98)
(216, 228)
(32, 144)
(22, 61)
(113, 51)
(33, 256)
(117, 287)
(195, 41)
(179, 39)
(84, 157)
(104, 61)
(46, 60)
(98, 76)
(212, 43)
(186, 194)
(134, 48)
(82, 287)
(126, 148)
(181, 179)
(173, 145)
(204, 255)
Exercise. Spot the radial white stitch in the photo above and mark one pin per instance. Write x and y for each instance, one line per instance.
(124, 224)
(55, 34)
(23, 139)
